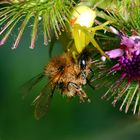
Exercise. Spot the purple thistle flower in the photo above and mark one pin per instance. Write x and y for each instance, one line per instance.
(125, 73)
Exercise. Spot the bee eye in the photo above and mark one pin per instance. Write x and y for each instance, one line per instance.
(82, 63)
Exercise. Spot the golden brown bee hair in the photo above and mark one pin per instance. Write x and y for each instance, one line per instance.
(65, 74)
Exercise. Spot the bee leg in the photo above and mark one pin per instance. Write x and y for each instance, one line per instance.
(71, 89)
(77, 89)
(83, 96)
(90, 78)
(92, 72)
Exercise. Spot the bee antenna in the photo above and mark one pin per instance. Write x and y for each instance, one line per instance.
(88, 82)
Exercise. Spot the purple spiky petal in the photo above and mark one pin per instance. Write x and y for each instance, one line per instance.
(127, 65)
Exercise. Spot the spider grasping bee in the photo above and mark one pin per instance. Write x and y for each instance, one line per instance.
(65, 74)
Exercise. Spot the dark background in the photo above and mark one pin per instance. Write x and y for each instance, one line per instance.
(68, 120)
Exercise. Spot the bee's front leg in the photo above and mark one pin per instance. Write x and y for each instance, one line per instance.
(76, 89)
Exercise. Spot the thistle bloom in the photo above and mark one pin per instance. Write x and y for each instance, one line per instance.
(51, 16)
(126, 73)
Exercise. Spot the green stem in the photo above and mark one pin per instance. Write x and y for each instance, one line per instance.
(9, 31)
(34, 31)
(21, 30)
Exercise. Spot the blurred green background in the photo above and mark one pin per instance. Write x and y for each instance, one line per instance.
(66, 120)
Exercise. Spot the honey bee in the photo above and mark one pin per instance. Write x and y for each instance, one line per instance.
(65, 74)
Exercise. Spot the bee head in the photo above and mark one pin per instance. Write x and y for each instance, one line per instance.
(83, 59)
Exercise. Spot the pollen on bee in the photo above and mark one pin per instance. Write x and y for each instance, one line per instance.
(68, 75)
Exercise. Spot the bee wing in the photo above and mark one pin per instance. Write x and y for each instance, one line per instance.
(43, 100)
(27, 87)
